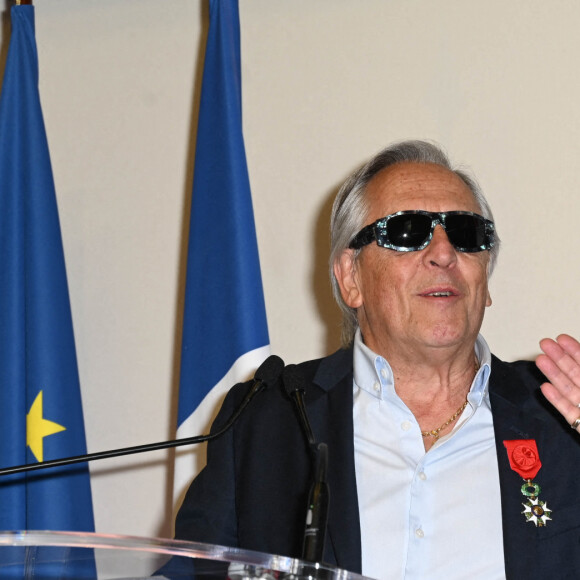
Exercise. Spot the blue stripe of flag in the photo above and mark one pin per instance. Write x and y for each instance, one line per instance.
(225, 314)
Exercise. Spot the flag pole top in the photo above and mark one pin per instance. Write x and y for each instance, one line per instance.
(24, 2)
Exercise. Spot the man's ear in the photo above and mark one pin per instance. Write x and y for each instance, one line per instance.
(488, 299)
(345, 270)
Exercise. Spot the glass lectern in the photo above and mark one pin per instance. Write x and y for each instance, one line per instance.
(71, 555)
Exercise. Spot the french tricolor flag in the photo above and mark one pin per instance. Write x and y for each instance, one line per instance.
(225, 333)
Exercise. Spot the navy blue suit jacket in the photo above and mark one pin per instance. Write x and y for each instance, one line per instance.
(253, 492)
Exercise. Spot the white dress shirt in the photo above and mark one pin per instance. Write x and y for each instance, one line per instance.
(425, 515)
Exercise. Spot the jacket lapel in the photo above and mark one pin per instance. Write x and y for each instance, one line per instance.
(515, 416)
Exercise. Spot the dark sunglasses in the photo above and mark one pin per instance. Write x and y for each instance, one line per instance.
(412, 230)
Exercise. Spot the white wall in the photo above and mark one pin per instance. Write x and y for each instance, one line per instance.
(325, 84)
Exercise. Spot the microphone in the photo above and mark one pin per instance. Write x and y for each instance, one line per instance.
(319, 495)
(317, 512)
(266, 375)
(294, 384)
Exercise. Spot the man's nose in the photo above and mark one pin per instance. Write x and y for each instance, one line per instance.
(440, 252)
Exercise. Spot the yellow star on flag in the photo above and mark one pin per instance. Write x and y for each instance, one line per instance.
(37, 428)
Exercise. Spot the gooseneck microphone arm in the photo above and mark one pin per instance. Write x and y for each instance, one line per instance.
(266, 375)
(319, 495)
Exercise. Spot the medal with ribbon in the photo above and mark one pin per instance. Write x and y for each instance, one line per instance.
(525, 461)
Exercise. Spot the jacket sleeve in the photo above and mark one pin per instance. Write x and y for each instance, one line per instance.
(208, 512)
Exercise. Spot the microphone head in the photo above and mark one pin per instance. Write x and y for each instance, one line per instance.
(292, 379)
(269, 371)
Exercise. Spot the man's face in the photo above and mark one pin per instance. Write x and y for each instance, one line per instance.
(431, 298)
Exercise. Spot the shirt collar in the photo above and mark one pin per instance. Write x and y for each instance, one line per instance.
(373, 374)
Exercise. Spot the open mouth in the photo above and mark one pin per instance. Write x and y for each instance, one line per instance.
(440, 293)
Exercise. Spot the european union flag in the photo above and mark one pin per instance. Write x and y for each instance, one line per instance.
(225, 333)
(40, 403)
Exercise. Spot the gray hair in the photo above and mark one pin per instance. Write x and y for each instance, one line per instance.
(349, 210)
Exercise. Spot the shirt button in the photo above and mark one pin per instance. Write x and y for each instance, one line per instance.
(405, 425)
(384, 373)
(422, 476)
(377, 387)
(419, 533)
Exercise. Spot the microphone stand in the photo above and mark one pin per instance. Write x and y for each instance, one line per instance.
(317, 513)
(319, 495)
(116, 452)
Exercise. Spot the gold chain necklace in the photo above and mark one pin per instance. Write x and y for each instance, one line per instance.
(435, 432)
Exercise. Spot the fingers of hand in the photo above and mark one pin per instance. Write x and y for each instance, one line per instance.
(570, 345)
(569, 410)
(561, 365)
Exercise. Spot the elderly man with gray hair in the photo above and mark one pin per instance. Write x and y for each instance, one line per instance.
(444, 462)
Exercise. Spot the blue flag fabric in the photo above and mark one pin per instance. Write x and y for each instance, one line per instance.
(40, 401)
(225, 315)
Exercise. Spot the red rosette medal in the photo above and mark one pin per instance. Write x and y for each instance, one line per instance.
(525, 461)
